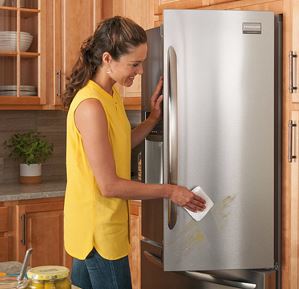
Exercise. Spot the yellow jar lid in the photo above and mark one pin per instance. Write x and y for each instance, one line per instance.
(48, 273)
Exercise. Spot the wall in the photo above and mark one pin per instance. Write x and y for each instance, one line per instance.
(52, 125)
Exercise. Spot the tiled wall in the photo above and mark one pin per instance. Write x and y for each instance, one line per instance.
(52, 125)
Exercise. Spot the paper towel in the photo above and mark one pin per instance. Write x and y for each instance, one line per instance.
(197, 216)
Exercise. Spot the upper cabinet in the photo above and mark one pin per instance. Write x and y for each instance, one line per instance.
(21, 47)
(142, 12)
(74, 22)
(39, 44)
(293, 53)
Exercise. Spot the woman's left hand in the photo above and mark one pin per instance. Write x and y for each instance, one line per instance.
(156, 100)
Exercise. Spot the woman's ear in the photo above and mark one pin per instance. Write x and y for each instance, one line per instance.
(106, 58)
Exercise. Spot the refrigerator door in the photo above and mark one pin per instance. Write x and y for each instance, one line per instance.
(219, 134)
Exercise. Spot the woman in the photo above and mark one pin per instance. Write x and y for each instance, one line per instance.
(99, 141)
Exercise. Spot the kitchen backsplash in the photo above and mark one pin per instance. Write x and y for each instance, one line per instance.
(50, 124)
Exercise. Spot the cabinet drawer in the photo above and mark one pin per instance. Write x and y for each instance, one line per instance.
(3, 219)
(3, 249)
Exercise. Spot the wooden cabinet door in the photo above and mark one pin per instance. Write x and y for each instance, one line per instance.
(74, 22)
(290, 277)
(135, 237)
(3, 234)
(40, 227)
(20, 58)
(142, 12)
(294, 77)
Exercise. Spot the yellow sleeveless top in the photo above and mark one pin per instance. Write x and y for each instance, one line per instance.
(90, 219)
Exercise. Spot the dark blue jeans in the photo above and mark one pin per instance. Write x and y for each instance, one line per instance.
(95, 272)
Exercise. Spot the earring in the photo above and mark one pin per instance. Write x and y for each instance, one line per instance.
(108, 71)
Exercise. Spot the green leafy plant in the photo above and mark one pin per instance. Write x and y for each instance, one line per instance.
(29, 147)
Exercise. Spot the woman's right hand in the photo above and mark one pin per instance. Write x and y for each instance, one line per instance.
(185, 198)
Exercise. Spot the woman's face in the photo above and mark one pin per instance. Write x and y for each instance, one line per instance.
(124, 70)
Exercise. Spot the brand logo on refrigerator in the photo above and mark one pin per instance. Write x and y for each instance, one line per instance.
(252, 28)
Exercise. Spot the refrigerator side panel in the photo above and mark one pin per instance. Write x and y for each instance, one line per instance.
(224, 119)
(152, 161)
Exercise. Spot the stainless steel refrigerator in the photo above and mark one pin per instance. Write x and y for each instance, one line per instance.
(220, 130)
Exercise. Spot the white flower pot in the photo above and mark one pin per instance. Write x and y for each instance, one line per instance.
(30, 174)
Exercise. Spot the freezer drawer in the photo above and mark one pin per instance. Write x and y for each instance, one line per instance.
(153, 276)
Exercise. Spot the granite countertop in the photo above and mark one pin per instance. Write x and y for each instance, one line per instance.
(10, 267)
(17, 192)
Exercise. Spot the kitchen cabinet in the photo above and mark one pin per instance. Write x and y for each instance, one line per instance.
(135, 237)
(292, 229)
(36, 224)
(4, 233)
(40, 226)
(142, 12)
(21, 77)
(293, 53)
(74, 22)
(57, 37)
(291, 141)
(48, 61)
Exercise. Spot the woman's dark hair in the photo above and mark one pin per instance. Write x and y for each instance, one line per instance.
(117, 36)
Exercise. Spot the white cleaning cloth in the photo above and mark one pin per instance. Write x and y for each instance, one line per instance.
(197, 216)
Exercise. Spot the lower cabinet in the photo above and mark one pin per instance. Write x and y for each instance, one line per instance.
(135, 237)
(36, 224)
(40, 226)
(4, 239)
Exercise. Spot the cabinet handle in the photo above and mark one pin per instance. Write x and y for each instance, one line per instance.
(58, 83)
(292, 71)
(23, 221)
(290, 140)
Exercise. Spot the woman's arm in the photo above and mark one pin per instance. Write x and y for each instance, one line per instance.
(91, 122)
(142, 130)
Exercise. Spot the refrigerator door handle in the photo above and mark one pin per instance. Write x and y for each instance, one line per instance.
(172, 131)
(201, 276)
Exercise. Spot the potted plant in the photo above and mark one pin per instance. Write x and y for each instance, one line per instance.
(31, 149)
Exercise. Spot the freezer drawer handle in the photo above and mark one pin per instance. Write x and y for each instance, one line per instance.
(172, 132)
(292, 71)
(209, 278)
(290, 140)
(201, 276)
